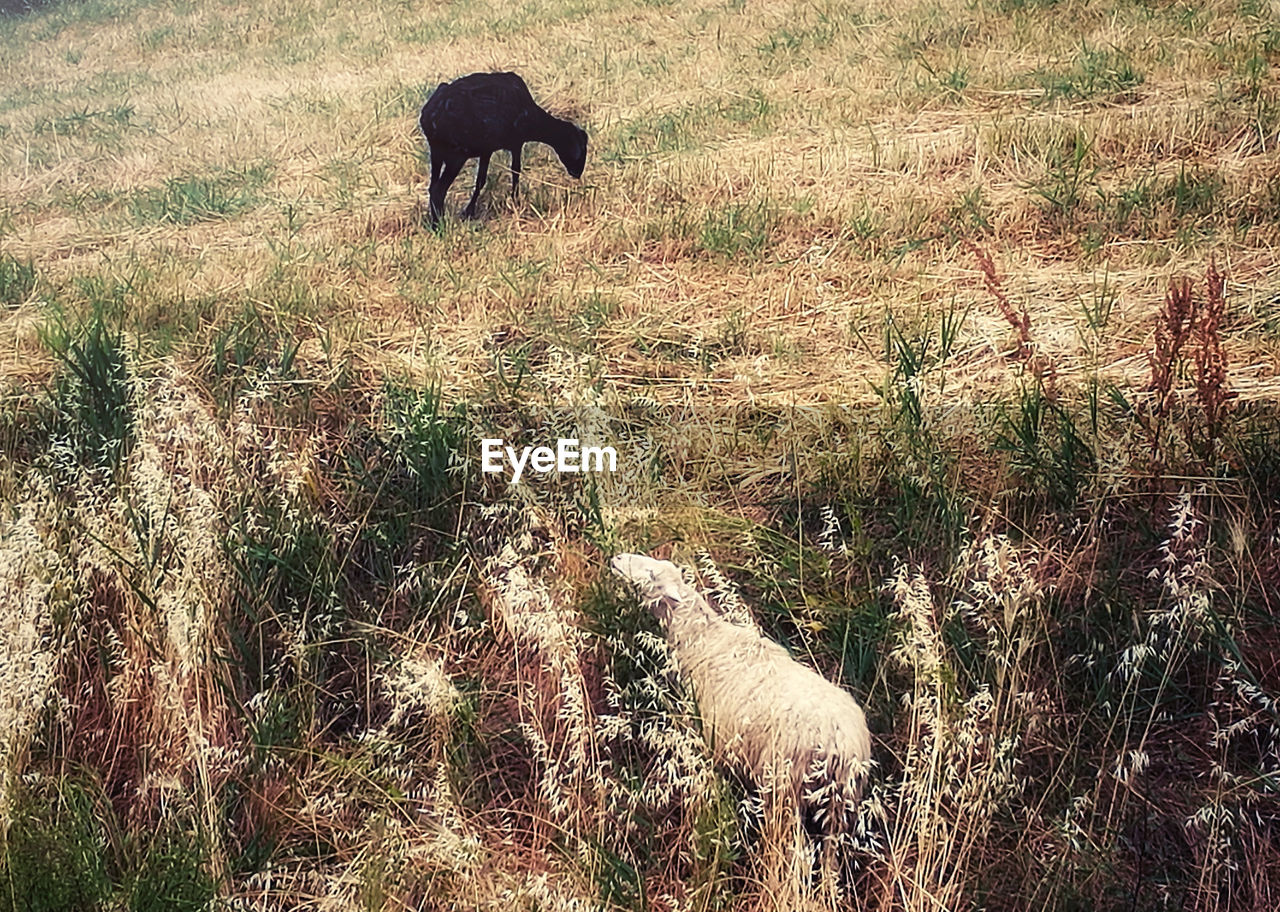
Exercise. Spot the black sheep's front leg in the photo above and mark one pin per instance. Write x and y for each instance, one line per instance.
(482, 172)
(515, 170)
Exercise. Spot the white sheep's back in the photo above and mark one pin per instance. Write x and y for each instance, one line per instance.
(766, 712)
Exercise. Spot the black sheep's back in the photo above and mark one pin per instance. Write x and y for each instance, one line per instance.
(478, 113)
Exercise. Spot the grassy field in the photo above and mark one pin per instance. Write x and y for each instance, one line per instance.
(945, 336)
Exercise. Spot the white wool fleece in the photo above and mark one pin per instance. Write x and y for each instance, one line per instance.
(779, 721)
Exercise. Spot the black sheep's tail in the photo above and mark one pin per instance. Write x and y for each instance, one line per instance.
(422, 114)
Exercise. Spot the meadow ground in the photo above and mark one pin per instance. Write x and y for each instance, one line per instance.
(944, 335)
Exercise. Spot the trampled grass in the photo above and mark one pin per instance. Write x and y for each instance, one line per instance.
(943, 338)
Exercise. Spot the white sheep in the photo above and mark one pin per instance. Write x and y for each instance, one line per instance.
(789, 730)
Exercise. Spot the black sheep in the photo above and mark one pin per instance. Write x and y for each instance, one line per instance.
(475, 116)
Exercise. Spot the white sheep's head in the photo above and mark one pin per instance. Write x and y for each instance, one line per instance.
(659, 583)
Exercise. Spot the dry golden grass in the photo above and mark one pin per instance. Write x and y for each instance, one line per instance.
(853, 123)
(260, 623)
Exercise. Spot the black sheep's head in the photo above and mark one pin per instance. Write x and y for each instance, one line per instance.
(574, 155)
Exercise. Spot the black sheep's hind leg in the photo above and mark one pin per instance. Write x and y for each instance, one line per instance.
(437, 163)
(440, 186)
(435, 204)
(482, 173)
(433, 210)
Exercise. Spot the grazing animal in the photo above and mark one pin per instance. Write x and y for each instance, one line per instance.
(786, 727)
(475, 116)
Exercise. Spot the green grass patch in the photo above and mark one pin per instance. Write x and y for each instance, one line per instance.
(663, 132)
(1048, 452)
(1071, 172)
(792, 45)
(173, 874)
(92, 393)
(739, 230)
(189, 199)
(251, 344)
(411, 472)
(65, 852)
(56, 854)
(1190, 194)
(752, 109)
(1096, 75)
(86, 122)
(17, 280)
